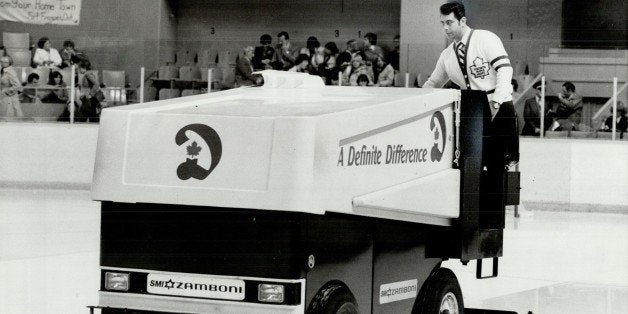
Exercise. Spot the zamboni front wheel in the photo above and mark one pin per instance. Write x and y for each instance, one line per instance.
(334, 299)
(442, 294)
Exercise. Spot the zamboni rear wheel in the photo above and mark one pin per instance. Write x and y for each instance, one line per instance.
(442, 294)
(334, 299)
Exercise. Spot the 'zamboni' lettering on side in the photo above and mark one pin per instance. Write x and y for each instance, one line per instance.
(397, 291)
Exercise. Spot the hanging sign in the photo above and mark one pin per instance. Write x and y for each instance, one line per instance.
(60, 12)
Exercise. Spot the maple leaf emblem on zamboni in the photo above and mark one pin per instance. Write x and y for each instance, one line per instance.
(194, 149)
(480, 68)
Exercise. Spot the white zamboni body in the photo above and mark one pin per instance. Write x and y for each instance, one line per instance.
(353, 150)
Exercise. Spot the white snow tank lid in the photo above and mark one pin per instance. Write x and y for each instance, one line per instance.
(292, 80)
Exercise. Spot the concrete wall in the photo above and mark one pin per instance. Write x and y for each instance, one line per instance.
(554, 171)
(233, 24)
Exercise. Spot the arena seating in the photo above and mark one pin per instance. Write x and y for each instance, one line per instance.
(17, 46)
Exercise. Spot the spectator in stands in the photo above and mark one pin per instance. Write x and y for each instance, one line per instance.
(91, 94)
(316, 55)
(244, 68)
(392, 57)
(371, 50)
(621, 122)
(331, 50)
(358, 66)
(384, 73)
(310, 46)
(515, 87)
(345, 57)
(285, 53)
(45, 55)
(330, 71)
(29, 91)
(301, 64)
(263, 57)
(9, 88)
(60, 94)
(570, 107)
(70, 55)
(532, 113)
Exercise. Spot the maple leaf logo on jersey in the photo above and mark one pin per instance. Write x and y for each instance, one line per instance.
(480, 68)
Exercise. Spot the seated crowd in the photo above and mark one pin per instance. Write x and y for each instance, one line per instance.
(567, 116)
(53, 88)
(362, 59)
(362, 63)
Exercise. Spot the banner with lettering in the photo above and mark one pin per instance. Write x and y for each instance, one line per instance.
(60, 12)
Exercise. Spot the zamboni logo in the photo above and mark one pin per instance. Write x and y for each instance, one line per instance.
(190, 168)
(398, 291)
(438, 122)
(181, 285)
(195, 286)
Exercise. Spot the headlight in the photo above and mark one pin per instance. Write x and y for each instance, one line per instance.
(117, 281)
(270, 293)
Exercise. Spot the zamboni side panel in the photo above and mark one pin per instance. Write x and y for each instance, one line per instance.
(253, 148)
(260, 161)
(385, 146)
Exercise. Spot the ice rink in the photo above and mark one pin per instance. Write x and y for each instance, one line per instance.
(554, 262)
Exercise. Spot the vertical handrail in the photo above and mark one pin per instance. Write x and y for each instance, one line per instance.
(339, 78)
(72, 92)
(407, 80)
(542, 106)
(142, 74)
(598, 114)
(614, 123)
(209, 79)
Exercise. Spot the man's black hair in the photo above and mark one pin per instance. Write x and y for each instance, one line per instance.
(284, 34)
(372, 38)
(84, 64)
(265, 39)
(455, 7)
(569, 86)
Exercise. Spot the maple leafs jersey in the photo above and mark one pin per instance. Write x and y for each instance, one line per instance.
(487, 66)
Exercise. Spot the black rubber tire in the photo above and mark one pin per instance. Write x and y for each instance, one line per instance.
(440, 283)
(334, 298)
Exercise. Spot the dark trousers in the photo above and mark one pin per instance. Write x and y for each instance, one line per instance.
(90, 109)
(501, 148)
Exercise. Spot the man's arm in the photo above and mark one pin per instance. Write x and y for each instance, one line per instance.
(290, 53)
(38, 58)
(494, 51)
(572, 101)
(439, 76)
(16, 86)
(528, 113)
(55, 57)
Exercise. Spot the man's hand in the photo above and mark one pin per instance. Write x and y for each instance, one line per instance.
(493, 110)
